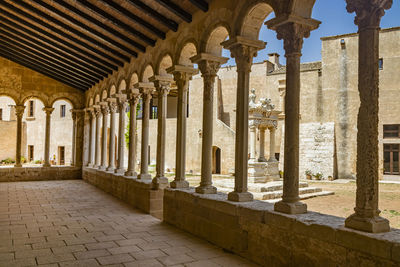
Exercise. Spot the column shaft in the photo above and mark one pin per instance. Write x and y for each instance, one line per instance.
(19, 110)
(97, 139)
(132, 137)
(261, 157)
(111, 149)
(253, 142)
(47, 137)
(91, 137)
(105, 111)
(80, 124)
(73, 138)
(144, 162)
(121, 136)
(272, 144)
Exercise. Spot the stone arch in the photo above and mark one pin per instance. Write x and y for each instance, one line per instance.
(214, 38)
(302, 8)
(62, 98)
(113, 91)
(254, 15)
(13, 98)
(134, 79)
(163, 64)
(97, 99)
(147, 73)
(35, 95)
(90, 101)
(185, 52)
(122, 86)
(104, 95)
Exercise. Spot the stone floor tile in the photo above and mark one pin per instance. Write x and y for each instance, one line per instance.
(149, 254)
(53, 258)
(153, 245)
(6, 256)
(80, 263)
(101, 245)
(202, 263)
(20, 262)
(113, 259)
(125, 249)
(130, 242)
(68, 249)
(32, 253)
(91, 254)
(176, 250)
(144, 263)
(175, 259)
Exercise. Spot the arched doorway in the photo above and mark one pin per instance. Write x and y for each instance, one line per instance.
(216, 160)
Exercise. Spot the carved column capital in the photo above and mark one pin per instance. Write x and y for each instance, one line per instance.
(243, 50)
(133, 98)
(19, 110)
(368, 12)
(96, 111)
(48, 110)
(105, 109)
(113, 107)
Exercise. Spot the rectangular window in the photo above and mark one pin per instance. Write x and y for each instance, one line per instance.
(154, 112)
(30, 153)
(62, 111)
(381, 63)
(1, 114)
(61, 155)
(391, 131)
(391, 156)
(30, 109)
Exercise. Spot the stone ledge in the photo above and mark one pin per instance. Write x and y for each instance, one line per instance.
(18, 174)
(135, 192)
(255, 231)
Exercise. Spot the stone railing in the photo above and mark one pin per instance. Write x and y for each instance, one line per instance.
(255, 231)
(13, 174)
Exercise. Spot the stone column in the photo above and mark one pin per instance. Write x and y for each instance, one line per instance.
(162, 85)
(243, 50)
(209, 66)
(145, 90)
(48, 111)
(105, 110)
(253, 142)
(73, 113)
(133, 100)
(111, 148)
(92, 132)
(292, 30)
(272, 144)
(80, 121)
(97, 136)
(19, 112)
(366, 216)
(121, 133)
(182, 75)
(261, 157)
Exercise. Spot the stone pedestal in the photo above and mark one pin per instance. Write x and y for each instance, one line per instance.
(272, 171)
(257, 172)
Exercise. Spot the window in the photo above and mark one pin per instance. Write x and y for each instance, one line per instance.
(381, 63)
(30, 153)
(154, 112)
(62, 111)
(31, 109)
(391, 131)
(1, 114)
(61, 155)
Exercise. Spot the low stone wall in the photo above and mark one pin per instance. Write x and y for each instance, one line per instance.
(254, 231)
(13, 174)
(135, 192)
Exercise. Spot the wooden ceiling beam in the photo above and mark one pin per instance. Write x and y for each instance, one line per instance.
(177, 10)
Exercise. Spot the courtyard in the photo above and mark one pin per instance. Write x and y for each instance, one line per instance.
(72, 223)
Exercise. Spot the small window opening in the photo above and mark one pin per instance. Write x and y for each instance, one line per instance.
(31, 109)
(381, 63)
(62, 111)
(1, 114)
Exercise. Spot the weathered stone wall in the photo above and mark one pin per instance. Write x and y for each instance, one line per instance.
(136, 193)
(254, 231)
(39, 174)
(8, 139)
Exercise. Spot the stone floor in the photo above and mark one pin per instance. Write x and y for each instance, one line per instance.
(71, 223)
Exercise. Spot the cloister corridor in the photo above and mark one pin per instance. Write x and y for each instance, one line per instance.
(72, 223)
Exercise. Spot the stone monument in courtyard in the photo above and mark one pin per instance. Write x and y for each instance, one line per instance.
(262, 117)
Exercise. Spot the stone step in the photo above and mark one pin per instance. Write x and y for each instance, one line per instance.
(256, 187)
(305, 196)
(279, 193)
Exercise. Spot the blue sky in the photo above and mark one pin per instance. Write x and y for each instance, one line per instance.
(334, 21)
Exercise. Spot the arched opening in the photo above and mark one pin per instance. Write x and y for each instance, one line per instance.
(61, 133)
(34, 127)
(147, 73)
(216, 160)
(8, 131)
(189, 50)
(172, 99)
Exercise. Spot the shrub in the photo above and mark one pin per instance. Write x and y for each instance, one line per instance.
(8, 161)
(318, 176)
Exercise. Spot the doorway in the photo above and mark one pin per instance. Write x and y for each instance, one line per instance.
(30, 153)
(216, 168)
(391, 155)
(61, 155)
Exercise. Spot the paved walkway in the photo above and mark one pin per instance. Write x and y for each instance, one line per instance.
(72, 223)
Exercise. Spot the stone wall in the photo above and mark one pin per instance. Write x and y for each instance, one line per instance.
(136, 193)
(254, 231)
(8, 139)
(39, 174)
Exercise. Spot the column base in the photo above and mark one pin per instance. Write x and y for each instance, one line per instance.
(119, 171)
(240, 196)
(46, 165)
(179, 184)
(110, 169)
(262, 160)
(209, 189)
(144, 176)
(18, 165)
(290, 207)
(160, 182)
(372, 225)
(131, 174)
(102, 168)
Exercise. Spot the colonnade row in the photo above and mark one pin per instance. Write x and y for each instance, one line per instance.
(292, 31)
(77, 127)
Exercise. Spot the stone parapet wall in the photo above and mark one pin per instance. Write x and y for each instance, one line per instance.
(13, 174)
(254, 231)
(136, 193)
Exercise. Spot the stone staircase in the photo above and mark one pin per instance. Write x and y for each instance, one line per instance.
(272, 191)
